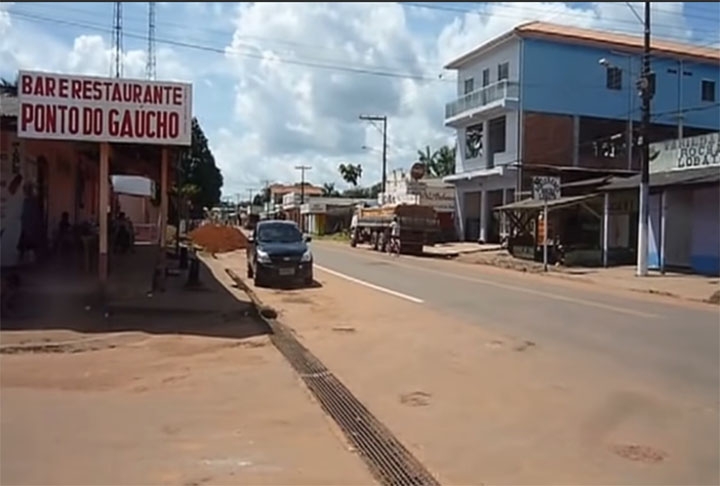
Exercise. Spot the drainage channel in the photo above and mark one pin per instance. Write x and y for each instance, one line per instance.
(388, 460)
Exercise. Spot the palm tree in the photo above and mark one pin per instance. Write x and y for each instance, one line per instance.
(426, 157)
(443, 162)
(8, 87)
(329, 190)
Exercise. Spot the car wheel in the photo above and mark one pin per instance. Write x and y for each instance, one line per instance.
(259, 281)
(249, 271)
(309, 280)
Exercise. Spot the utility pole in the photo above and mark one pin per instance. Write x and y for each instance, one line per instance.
(250, 201)
(302, 169)
(384, 152)
(643, 213)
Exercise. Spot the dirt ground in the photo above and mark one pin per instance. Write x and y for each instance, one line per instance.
(478, 407)
(162, 408)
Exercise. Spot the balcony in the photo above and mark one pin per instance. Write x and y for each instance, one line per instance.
(503, 94)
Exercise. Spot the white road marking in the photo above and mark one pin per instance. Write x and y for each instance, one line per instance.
(369, 285)
(549, 295)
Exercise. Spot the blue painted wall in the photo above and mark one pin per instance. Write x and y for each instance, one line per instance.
(567, 79)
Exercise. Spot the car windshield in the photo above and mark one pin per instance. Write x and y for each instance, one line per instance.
(280, 233)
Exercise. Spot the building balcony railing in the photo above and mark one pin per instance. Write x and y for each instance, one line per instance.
(499, 91)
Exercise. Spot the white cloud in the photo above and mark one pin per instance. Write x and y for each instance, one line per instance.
(267, 116)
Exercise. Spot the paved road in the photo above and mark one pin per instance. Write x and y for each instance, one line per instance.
(677, 343)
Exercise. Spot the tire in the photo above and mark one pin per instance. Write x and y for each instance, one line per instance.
(309, 280)
(258, 281)
(249, 271)
(383, 243)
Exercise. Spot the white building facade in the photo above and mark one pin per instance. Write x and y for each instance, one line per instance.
(486, 118)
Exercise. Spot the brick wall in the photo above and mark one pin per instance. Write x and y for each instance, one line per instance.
(548, 139)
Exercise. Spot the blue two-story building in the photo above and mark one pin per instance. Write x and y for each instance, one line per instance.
(546, 98)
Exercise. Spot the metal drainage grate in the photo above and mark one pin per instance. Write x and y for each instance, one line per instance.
(389, 461)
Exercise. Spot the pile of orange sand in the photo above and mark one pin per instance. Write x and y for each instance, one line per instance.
(218, 239)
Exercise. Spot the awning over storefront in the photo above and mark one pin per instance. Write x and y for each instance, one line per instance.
(537, 204)
(706, 175)
(472, 174)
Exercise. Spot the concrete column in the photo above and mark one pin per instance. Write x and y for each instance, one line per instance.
(484, 215)
(503, 218)
(485, 145)
(460, 212)
(163, 214)
(103, 200)
(606, 229)
(576, 140)
(663, 226)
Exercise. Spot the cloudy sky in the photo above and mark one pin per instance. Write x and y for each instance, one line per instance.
(277, 85)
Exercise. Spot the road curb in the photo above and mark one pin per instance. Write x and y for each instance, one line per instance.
(265, 311)
(387, 459)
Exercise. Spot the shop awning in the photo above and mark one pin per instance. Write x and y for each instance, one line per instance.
(705, 175)
(537, 204)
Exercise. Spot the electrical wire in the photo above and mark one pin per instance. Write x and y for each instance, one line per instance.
(231, 51)
(571, 15)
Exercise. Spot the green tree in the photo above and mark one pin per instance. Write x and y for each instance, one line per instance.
(442, 162)
(363, 192)
(351, 173)
(329, 190)
(197, 166)
(426, 157)
(9, 87)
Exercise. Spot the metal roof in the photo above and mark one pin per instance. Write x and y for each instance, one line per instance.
(577, 35)
(537, 204)
(705, 175)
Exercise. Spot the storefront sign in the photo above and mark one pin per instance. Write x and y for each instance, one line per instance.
(688, 153)
(313, 208)
(61, 107)
(546, 188)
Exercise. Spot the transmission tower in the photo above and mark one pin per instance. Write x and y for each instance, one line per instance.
(117, 43)
(150, 67)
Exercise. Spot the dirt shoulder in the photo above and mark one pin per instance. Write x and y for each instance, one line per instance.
(480, 407)
(163, 408)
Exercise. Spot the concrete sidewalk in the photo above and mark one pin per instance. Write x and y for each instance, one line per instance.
(684, 286)
(691, 287)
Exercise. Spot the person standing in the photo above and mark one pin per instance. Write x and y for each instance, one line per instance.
(31, 224)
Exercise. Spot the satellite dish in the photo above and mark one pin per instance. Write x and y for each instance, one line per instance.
(417, 171)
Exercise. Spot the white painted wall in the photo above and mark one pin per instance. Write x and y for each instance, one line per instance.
(507, 52)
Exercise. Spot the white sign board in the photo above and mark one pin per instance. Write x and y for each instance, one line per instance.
(688, 153)
(94, 109)
(546, 188)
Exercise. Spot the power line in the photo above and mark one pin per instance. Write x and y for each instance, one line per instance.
(353, 70)
(571, 15)
(444, 7)
(342, 68)
(311, 46)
